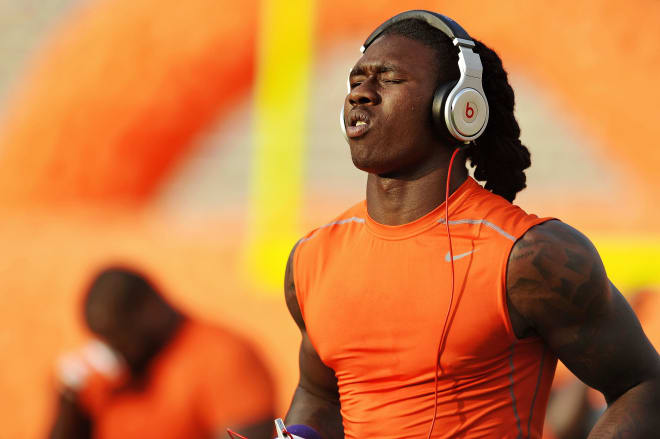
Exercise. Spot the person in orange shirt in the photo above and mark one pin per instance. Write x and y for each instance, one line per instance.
(437, 308)
(154, 372)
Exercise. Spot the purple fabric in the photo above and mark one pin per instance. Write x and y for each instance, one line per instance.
(303, 431)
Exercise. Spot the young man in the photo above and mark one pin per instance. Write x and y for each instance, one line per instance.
(171, 377)
(383, 313)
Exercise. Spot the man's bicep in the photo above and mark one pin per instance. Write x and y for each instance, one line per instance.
(315, 376)
(316, 399)
(557, 283)
(290, 295)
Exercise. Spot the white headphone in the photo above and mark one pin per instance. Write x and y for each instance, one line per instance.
(460, 106)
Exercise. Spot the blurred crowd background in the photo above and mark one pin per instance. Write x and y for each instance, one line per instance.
(197, 140)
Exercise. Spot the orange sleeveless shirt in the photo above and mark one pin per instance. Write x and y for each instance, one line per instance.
(374, 300)
(206, 379)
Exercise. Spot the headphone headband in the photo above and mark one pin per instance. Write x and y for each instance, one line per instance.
(441, 22)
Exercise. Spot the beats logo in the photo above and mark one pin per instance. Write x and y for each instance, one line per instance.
(469, 111)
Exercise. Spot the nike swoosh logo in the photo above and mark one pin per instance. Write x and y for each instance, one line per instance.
(457, 257)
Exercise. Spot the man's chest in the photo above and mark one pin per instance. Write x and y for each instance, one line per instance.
(378, 309)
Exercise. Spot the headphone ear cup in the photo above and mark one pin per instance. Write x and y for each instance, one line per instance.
(342, 124)
(438, 108)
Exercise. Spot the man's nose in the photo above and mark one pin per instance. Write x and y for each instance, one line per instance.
(364, 94)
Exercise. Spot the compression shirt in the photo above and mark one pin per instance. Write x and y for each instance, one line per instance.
(374, 300)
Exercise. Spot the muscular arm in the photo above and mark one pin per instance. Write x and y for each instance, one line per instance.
(316, 399)
(557, 288)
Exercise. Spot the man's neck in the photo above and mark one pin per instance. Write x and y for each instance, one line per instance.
(395, 201)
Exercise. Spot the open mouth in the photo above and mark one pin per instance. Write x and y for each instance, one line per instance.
(358, 123)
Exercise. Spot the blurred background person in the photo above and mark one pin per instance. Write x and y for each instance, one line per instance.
(154, 372)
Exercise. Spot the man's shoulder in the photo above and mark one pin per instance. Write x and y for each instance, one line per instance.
(551, 242)
(501, 217)
(325, 241)
(556, 233)
(552, 254)
(354, 215)
(552, 266)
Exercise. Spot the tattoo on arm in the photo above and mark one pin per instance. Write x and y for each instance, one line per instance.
(557, 288)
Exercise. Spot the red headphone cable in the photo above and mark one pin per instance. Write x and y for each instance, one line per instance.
(451, 296)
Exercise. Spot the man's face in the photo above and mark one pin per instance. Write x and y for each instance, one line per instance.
(388, 110)
(129, 335)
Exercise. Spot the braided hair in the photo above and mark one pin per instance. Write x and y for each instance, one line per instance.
(498, 156)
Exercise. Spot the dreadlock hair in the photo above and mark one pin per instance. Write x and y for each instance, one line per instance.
(498, 156)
